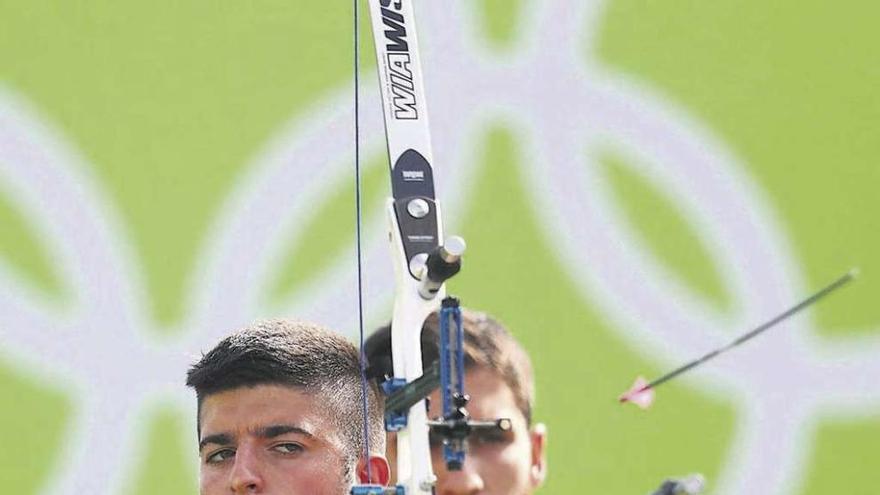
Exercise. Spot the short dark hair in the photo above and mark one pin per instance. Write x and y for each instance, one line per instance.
(487, 344)
(299, 355)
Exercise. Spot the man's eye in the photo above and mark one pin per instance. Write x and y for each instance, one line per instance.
(476, 438)
(288, 448)
(219, 456)
(492, 436)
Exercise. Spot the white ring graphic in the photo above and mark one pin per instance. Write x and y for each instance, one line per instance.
(562, 108)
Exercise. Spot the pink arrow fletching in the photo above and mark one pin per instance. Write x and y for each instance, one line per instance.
(638, 394)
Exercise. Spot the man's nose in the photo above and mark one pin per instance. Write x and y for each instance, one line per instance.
(466, 481)
(245, 477)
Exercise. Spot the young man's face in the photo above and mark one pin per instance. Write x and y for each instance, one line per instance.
(269, 439)
(497, 463)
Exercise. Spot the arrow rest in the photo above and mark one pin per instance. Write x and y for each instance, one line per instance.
(377, 490)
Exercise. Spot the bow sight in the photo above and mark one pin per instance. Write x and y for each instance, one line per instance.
(455, 424)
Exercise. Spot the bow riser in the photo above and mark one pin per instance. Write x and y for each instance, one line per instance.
(414, 469)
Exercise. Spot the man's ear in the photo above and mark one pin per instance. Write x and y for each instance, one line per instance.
(379, 472)
(538, 469)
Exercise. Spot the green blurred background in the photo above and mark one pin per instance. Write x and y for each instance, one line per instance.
(171, 100)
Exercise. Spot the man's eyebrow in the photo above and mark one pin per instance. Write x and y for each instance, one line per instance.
(267, 432)
(273, 431)
(218, 439)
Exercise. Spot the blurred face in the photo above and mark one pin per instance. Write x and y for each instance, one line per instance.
(269, 439)
(497, 463)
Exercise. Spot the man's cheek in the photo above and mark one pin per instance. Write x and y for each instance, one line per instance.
(207, 482)
(515, 462)
(391, 455)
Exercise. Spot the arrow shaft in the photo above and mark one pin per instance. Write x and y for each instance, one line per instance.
(809, 301)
